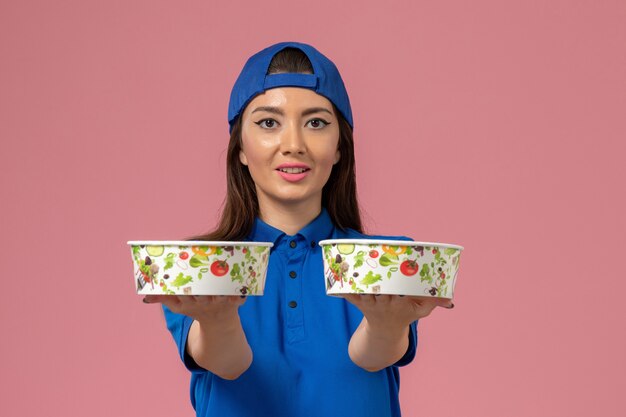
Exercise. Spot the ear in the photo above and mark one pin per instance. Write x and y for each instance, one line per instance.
(337, 156)
(243, 158)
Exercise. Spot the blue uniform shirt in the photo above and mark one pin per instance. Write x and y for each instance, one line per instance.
(299, 338)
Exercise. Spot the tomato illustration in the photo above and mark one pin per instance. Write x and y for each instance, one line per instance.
(409, 268)
(219, 268)
(183, 255)
(373, 253)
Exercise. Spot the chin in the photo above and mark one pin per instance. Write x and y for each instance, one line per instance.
(296, 198)
(293, 199)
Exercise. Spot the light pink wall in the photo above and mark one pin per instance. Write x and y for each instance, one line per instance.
(498, 125)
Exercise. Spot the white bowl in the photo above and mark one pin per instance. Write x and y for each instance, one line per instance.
(366, 266)
(200, 267)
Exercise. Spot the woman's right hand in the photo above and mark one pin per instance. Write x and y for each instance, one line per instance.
(203, 308)
(216, 340)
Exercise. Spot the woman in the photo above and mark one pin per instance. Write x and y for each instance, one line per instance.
(291, 181)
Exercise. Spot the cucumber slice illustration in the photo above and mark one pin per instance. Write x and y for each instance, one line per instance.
(345, 249)
(155, 250)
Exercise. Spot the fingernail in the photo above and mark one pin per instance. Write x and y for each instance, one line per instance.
(451, 306)
(145, 300)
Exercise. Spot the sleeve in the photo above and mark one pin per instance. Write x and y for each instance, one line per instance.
(412, 349)
(179, 325)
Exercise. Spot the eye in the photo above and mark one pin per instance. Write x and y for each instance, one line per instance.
(318, 123)
(266, 123)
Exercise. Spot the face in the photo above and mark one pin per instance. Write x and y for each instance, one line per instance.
(290, 140)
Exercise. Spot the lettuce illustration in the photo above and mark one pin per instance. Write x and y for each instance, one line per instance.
(169, 261)
(388, 259)
(371, 278)
(425, 274)
(181, 280)
(235, 273)
(359, 259)
(197, 261)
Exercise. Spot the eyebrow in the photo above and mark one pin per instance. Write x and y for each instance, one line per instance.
(277, 110)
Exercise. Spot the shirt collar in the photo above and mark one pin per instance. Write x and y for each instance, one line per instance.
(263, 232)
(319, 229)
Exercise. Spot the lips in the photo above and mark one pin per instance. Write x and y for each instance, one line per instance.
(293, 172)
(293, 168)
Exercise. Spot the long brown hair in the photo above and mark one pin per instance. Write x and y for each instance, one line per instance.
(241, 205)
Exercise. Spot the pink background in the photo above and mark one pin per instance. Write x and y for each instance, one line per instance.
(497, 125)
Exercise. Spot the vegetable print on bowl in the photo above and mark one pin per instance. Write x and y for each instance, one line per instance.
(200, 267)
(364, 266)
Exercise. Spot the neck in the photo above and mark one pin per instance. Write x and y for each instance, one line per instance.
(289, 218)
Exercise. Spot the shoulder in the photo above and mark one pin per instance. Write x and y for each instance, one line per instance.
(353, 234)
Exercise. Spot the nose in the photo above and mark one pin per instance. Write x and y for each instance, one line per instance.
(292, 140)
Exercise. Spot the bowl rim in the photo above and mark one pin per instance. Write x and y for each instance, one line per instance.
(195, 243)
(388, 242)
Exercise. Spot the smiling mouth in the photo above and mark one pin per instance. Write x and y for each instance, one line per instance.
(293, 170)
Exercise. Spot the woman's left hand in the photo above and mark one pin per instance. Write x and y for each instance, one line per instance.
(395, 310)
(382, 337)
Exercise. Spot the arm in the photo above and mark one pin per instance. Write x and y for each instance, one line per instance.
(374, 348)
(382, 337)
(216, 340)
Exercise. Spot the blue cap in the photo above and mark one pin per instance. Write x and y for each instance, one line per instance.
(253, 80)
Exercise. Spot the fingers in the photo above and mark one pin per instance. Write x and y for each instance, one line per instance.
(183, 303)
(443, 302)
(395, 308)
(428, 308)
(238, 300)
(365, 300)
(368, 299)
(168, 300)
(172, 302)
(353, 298)
(436, 301)
(425, 305)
